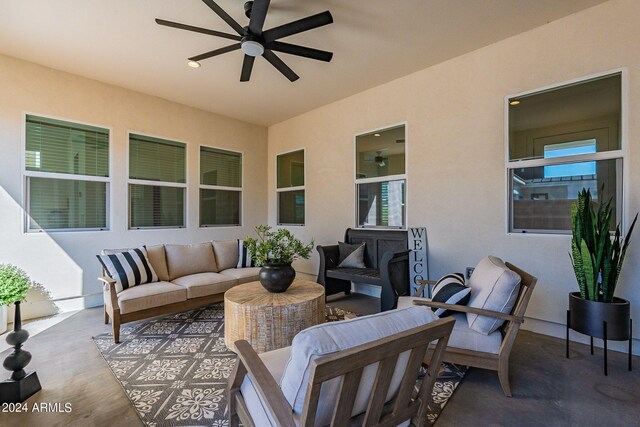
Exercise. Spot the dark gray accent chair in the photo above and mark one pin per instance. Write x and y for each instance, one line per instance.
(386, 259)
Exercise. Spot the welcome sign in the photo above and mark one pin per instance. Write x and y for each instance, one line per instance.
(418, 266)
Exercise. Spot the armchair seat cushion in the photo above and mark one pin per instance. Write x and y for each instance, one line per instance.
(462, 336)
(275, 361)
(150, 295)
(243, 275)
(204, 284)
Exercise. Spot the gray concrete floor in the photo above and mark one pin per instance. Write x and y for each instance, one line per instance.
(548, 389)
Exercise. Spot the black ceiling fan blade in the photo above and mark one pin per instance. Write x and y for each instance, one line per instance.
(299, 26)
(247, 66)
(215, 52)
(197, 29)
(225, 16)
(280, 65)
(258, 15)
(294, 49)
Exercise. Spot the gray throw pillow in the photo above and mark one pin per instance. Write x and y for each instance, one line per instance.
(351, 256)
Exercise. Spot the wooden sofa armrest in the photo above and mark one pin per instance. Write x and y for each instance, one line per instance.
(266, 386)
(465, 309)
(110, 286)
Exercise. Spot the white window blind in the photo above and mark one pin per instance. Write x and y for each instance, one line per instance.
(67, 175)
(220, 187)
(157, 182)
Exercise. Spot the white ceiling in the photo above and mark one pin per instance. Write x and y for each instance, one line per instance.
(374, 41)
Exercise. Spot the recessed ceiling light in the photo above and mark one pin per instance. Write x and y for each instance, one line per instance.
(376, 134)
(193, 64)
(514, 102)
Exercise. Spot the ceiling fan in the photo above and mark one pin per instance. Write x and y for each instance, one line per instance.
(254, 42)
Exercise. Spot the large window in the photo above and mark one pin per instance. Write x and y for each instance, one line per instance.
(560, 141)
(157, 182)
(381, 178)
(290, 188)
(67, 175)
(220, 187)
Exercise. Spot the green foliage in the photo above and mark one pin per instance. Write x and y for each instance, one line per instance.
(276, 247)
(14, 284)
(596, 256)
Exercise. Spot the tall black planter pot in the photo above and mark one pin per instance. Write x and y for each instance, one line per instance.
(605, 320)
(21, 385)
(277, 278)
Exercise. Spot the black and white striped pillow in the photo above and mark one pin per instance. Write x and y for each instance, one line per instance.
(129, 268)
(244, 258)
(450, 289)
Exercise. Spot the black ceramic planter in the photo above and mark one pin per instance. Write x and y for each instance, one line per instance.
(588, 317)
(277, 278)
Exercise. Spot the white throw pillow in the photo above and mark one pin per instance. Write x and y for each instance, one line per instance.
(493, 287)
(329, 338)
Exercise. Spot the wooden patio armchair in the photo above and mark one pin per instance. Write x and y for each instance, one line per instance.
(494, 361)
(348, 366)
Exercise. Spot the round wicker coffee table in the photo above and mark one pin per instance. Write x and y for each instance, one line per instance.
(269, 321)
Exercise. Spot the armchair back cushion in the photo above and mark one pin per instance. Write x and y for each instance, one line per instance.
(183, 260)
(333, 337)
(226, 252)
(158, 260)
(493, 287)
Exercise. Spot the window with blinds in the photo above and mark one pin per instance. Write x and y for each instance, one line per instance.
(290, 188)
(157, 182)
(67, 175)
(220, 187)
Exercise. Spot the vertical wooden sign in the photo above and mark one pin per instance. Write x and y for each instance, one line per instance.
(418, 267)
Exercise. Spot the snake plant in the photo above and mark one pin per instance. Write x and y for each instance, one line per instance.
(596, 255)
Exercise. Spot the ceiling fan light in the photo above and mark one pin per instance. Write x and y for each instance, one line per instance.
(252, 48)
(193, 64)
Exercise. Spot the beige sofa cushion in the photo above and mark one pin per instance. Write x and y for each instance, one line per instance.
(244, 275)
(205, 284)
(158, 261)
(226, 253)
(183, 260)
(150, 295)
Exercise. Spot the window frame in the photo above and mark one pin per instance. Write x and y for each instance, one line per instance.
(221, 187)
(26, 174)
(151, 183)
(291, 189)
(621, 154)
(396, 177)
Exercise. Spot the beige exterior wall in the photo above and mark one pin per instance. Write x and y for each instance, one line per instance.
(454, 113)
(65, 262)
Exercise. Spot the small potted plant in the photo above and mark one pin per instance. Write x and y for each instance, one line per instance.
(275, 251)
(597, 258)
(14, 284)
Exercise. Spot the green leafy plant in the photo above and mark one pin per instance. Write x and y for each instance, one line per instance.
(276, 247)
(14, 284)
(596, 256)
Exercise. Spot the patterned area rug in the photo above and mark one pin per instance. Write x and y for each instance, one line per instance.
(174, 370)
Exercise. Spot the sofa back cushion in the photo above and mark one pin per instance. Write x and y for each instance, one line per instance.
(493, 287)
(329, 338)
(183, 260)
(226, 252)
(158, 260)
(128, 268)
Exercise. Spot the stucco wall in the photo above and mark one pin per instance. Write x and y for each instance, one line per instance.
(457, 186)
(65, 262)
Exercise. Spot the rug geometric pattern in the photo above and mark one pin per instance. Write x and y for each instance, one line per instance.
(174, 370)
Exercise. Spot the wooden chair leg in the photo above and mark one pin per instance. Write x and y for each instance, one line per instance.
(116, 329)
(106, 316)
(503, 375)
